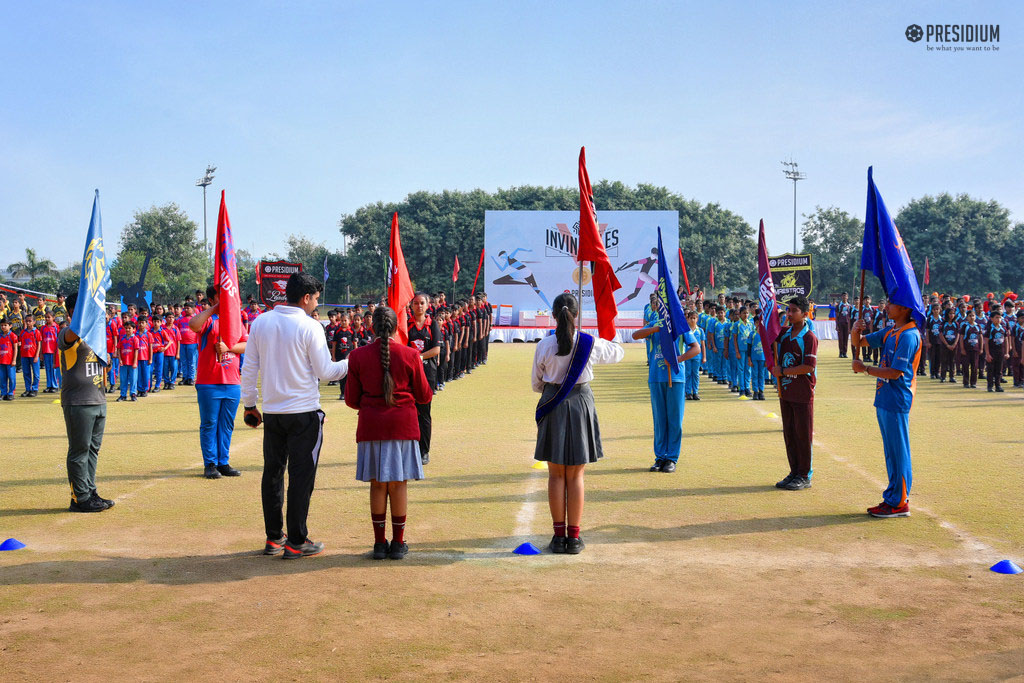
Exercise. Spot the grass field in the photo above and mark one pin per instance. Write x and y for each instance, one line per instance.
(710, 572)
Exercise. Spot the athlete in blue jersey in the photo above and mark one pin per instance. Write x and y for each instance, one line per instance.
(894, 394)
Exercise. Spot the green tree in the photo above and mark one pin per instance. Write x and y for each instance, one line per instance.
(711, 234)
(32, 267)
(169, 235)
(833, 239)
(1013, 260)
(964, 240)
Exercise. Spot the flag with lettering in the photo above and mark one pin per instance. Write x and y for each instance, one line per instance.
(885, 255)
(400, 290)
(671, 318)
(225, 279)
(769, 326)
(89, 320)
(591, 248)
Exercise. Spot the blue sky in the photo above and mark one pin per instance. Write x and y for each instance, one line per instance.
(310, 110)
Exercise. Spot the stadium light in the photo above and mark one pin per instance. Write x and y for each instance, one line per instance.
(791, 172)
(205, 182)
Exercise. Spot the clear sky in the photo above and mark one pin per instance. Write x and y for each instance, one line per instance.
(310, 110)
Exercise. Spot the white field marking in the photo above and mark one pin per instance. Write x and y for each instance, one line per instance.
(979, 549)
(528, 509)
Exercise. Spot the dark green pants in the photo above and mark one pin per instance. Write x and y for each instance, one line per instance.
(84, 425)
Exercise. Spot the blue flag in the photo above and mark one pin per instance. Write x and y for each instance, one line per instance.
(326, 274)
(670, 312)
(89, 320)
(885, 255)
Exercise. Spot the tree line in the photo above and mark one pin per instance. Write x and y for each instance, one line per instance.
(971, 245)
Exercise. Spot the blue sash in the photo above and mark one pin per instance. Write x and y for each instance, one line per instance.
(577, 363)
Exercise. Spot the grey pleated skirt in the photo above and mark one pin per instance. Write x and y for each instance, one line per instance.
(388, 460)
(569, 434)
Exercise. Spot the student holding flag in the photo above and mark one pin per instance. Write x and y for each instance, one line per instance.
(885, 255)
(671, 345)
(83, 355)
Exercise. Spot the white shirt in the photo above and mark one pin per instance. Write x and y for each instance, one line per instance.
(549, 368)
(290, 350)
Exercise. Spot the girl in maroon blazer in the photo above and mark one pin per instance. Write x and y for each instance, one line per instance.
(385, 382)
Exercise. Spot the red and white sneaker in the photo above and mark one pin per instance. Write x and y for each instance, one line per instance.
(884, 511)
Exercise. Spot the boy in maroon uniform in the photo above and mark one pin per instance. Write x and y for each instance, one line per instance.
(344, 342)
(798, 358)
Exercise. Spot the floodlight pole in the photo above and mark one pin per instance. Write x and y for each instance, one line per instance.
(205, 182)
(791, 172)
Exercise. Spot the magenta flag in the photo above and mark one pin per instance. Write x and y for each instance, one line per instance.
(768, 327)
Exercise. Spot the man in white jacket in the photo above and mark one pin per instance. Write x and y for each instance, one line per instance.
(289, 349)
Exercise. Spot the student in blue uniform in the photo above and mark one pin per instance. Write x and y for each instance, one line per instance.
(948, 334)
(932, 340)
(720, 326)
(743, 330)
(969, 347)
(694, 364)
(756, 361)
(667, 397)
(894, 396)
(996, 352)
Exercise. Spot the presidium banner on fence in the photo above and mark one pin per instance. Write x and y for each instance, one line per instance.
(792, 275)
(531, 256)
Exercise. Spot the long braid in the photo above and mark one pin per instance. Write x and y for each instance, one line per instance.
(384, 323)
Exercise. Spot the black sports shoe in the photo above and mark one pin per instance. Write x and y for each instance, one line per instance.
(999, 389)
(211, 472)
(106, 501)
(273, 547)
(228, 471)
(398, 550)
(656, 467)
(557, 544)
(425, 458)
(92, 504)
(782, 484)
(307, 549)
(668, 466)
(696, 397)
(381, 550)
(798, 483)
(121, 398)
(134, 398)
(574, 546)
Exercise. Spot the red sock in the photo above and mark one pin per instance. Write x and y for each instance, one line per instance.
(560, 529)
(378, 527)
(397, 529)
(574, 531)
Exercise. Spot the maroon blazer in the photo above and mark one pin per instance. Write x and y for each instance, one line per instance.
(377, 420)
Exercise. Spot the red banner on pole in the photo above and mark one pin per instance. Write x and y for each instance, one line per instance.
(225, 278)
(478, 267)
(682, 267)
(399, 285)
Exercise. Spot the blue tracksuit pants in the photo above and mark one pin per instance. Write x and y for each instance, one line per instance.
(895, 428)
(693, 376)
(757, 375)
(128, 381)
(667, 404)
(218, 405)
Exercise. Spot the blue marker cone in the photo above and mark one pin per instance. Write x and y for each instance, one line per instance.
(527, 549)
(15, 544)
(1006, 567)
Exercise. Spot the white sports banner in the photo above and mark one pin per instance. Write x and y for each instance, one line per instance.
(531, 257)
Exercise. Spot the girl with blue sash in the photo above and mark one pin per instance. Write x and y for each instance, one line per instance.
(568, 436)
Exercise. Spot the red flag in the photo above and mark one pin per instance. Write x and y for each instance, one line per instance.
(455, 270)
(478, 267)
(399, 285)
(225, 278)
(591, 248)
(927, 275)
(711, 277)
(769, 326)
(682, 267)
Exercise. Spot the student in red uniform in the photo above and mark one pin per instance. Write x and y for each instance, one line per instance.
(8, 360)
(425, 336)
(50, 360)
(145, 349)
(158, 344)
(31, 345)
(796, 372)
(385, 382)
(172, 338)
(189, 350)
(218, 389)
(113, 332)
(128, 357)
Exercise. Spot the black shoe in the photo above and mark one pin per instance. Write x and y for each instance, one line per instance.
(425, 458)
(656, 467)
(381, 550)
(307, 549)
(798, 483)
(574, 546)
(557, 544)
(143, 394)
(696, 397)
(90, 505)
(134, 398)
(120, 398)
(9, 397)
(228, 471)
(668, 466)
(990, 389)
(999, 389)
(106, 501)
(398, 550)
(785, 482)
(211, 472)
(273, 547)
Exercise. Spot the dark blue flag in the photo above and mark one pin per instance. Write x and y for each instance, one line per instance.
(89, 319)
(672, 319)
(326, 274)
(885, 255)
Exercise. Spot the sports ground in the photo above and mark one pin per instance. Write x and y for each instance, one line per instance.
(710, 572)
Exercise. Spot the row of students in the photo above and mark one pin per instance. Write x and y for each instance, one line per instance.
(975, 345)
(32, 347)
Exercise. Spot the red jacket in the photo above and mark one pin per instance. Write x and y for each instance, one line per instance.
(377, 420)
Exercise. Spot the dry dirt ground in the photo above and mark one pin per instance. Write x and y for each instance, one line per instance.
(708, 573)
